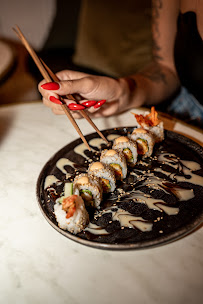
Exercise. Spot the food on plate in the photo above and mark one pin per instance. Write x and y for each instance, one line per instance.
(150, 122)
(71, 214)
(89, 188)
(128, 147)
(116, 160)
(145, 141)
(105, 174)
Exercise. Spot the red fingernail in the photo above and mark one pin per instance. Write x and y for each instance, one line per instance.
(99, 103)
(50, 86)
(89, 103)
(55, 100)
(76, 106)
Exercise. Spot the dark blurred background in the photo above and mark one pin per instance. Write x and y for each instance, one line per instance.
(100, 37)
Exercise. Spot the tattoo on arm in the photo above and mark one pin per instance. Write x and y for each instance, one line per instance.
(156, 7)
(155, 72)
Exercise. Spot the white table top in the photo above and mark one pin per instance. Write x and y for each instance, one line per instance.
(39, 265)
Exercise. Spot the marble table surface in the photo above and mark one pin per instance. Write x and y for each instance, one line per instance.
(39, 265)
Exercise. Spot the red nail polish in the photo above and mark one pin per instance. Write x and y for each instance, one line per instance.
(99, 103)
(55, 100)
(89, 103)
(50, 86)
(76, 106)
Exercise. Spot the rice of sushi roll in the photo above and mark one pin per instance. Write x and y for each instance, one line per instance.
(117, 162)
(145, 141)
(89, 188)
(128, 147)
(150, 122)
(105, 174)
(157, 131)
(71, 214)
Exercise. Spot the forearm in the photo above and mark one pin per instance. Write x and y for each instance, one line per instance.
(152, 85)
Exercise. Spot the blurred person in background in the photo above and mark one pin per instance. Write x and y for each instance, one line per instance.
(173, 79)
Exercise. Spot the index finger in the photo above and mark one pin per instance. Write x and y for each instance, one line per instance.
(69, 75)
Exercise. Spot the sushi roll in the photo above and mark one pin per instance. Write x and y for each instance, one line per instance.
(128, 147)
(157, 131)
(117, 162)
(145, 141)
(151, 123)
(89, 188)
(71, 214)
(105, 174)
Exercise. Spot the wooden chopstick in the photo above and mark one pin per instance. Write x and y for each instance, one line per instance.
(32, 53)
(48, 79)
(71, 97)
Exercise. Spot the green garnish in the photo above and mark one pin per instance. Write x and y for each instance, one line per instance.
(86, 191)
(68, 189)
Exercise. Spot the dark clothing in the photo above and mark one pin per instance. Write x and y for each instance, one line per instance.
(188, 53)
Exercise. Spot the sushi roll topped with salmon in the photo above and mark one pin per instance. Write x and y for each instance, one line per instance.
(116, 160)
(105, 174)
(145, 141)
(89, 188)
(128, 147)
(150, 122)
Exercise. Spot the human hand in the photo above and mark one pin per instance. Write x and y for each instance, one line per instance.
(89, 87)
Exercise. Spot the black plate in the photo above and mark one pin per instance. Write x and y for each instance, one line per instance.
(166, 228)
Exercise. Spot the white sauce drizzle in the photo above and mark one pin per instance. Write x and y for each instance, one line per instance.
(152, 203)
(188, 167)
(97, 230)
(113, 136)
(96, 142)
(162, 171)
(191, 165)
(129, 220)
(168, 159)
(62, 162)
(194, 178)
(183, 194)
(168, 210)
(80, 150)
(50, 180)
(154, 182)
(125, 218)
